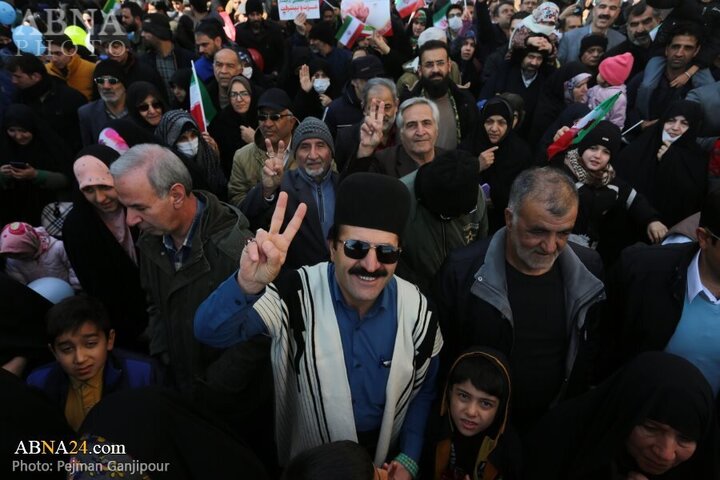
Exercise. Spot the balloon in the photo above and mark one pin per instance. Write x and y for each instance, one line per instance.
(28, 40)
(76, 34)
(7, 14)
(53, 289)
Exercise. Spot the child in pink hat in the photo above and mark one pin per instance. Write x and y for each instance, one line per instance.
(613, 73)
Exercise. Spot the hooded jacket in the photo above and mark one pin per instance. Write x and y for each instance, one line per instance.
(498, 447)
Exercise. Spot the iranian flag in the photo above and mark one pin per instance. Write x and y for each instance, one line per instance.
(440, 17)
(407, 7)
(110, 6)
(582, 127)
(350, 31)
(201, 107)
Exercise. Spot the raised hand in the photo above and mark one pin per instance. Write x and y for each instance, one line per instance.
(264, 255)
(663, 148)
(371, 131)
(305, 82)
(273, 170)
(377, 41)
(300, 22)
(247, 134)
(211, 142)
(487, 158)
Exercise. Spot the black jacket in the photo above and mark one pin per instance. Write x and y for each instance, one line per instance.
(344, 111)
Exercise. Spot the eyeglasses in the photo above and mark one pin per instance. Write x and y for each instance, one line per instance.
(144, 107)
(108, 79)
(240, 95)
(357, 250)
(262, 117)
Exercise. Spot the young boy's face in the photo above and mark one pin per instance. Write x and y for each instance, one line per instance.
(472, 410)
(82, 353)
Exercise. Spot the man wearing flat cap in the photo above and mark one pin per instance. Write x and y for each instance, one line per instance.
(274, 133)
(352, 311)
(109, 78)
(313, 183)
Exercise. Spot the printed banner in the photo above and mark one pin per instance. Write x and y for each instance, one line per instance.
(375, 14)
(289, 9)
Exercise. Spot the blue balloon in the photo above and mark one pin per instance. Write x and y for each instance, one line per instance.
(7, 14)
(28, 40)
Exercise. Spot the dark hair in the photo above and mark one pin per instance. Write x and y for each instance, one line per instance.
(160, 5)
(343, 459)
(70, 314)
(200, 6)
(496, 8)
(135, 9)
(482, 373)
(519, 15)
(433, 45)
(454, 6)
(638, 9)
(691, 29)
(61, 40)
(212, 28)
(26, 63)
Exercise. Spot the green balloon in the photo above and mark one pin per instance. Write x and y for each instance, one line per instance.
(77, 35)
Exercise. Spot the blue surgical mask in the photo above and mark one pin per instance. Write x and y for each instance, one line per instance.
(321, 84)
(189, 148)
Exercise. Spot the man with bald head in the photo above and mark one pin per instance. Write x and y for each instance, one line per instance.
(525, 293)
(226, 65)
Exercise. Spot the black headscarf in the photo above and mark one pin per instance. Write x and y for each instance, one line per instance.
(136, 94)
(181, 78)
(511, 158)
(675, 185)
(584, 438)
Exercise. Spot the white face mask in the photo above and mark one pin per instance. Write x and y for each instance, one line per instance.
(247, 72)
(666, 137)
(455, 24)
(189, 148)
(321, 84)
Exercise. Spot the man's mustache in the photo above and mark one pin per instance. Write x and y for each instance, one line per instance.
(358, 270)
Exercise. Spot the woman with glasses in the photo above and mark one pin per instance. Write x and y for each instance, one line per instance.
(234, 127)
(145, 105)
(178, 131)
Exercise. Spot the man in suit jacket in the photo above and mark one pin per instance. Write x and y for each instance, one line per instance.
(313, 182)
(110, 79)
(605, 12)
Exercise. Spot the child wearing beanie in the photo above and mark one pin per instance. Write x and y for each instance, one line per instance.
(611, 78)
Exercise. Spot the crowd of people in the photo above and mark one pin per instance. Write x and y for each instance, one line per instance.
(481, 246)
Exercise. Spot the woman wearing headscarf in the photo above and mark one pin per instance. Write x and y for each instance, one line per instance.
(34, 166)
(421, 21)
(234, 127)
(566, 86)
(666, 165)
(502, 155)
(463, 53)
(178, 131)
(317, 90)
(101, 245)
(600, 191)
(652, 420)
(145, 105)
(180, 87)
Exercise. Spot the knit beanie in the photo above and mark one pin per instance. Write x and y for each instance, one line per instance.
(372, 200)
(616, 70)
(253, 6)
(606, 134)
(158, 24)
(593, 41)
(110, 68)
(323, 31)
(448, 185)
(312, 127)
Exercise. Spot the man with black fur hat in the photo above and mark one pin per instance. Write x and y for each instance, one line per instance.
(109, 77)
(668, 297)
(447, 210)
(164, 56)
(263, 35)
(352, 312)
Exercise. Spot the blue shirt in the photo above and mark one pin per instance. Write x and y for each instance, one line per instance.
(179, 256)
(227, 317)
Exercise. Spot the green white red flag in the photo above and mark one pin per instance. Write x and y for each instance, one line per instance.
(350, 31)
(440, 17)
(201, 107)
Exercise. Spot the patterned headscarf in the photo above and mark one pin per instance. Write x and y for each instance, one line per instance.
(23, 238)
(176, 122)
(545, 12)
(570, 85)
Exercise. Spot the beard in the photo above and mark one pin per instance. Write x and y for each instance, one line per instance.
(436, 87)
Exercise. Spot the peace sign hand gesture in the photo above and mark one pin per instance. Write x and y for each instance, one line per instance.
(264, 255)
(371, 131)
(273, 170)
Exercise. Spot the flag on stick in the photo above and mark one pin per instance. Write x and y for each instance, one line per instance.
(201, 107)
(440, 17)
(350, 31)
(407, 7)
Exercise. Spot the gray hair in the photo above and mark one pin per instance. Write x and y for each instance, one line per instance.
(400, 121)
(163, 168)
(373, 83)
(548, 185)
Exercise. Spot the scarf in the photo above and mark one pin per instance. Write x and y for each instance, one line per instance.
(23, 238)
(569, 86)
(594, 179)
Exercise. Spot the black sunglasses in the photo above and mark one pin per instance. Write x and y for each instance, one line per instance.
(272, 116)
(144, 107)
(357, 250)
(110, 80)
